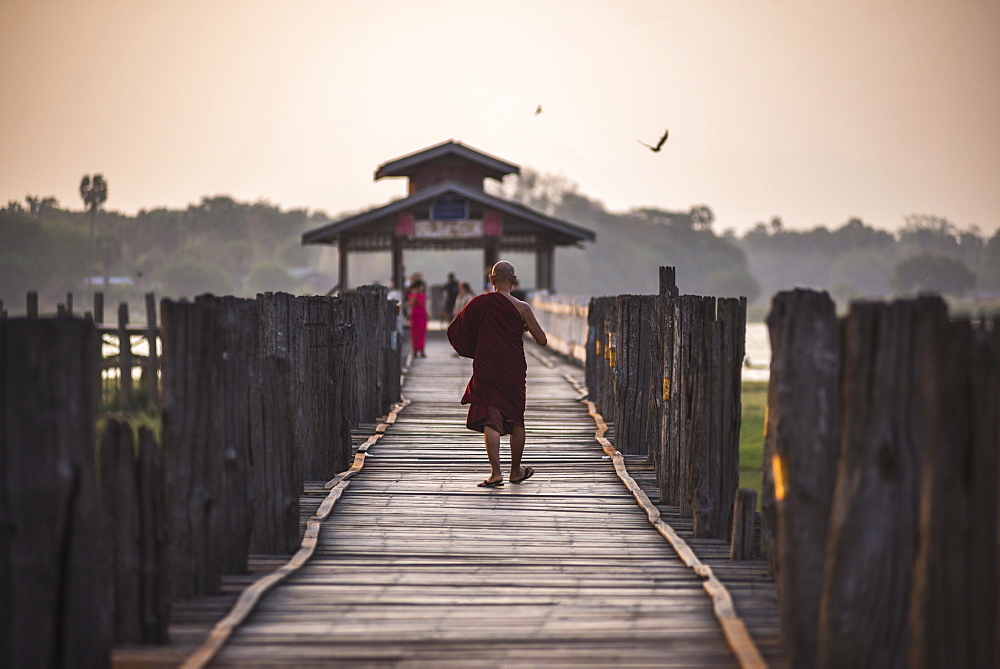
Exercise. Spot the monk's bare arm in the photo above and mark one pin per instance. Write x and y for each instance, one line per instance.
(534, 329)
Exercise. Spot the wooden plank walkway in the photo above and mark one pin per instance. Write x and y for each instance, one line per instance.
(416, 566)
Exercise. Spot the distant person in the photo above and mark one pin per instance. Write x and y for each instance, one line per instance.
(449, 292)
(463, 298)
(418, 317)
(407, 289)
(490, 330)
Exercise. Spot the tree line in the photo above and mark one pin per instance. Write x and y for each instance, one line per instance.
(854, 260)
(223, 246)
(216, 246)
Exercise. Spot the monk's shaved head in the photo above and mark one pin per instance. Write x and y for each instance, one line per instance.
(504, 271)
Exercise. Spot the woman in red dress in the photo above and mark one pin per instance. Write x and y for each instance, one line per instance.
(418, 317)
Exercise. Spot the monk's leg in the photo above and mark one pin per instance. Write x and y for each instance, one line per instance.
(516, 451)
(492, 438)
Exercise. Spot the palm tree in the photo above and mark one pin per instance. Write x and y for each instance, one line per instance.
(94, 192)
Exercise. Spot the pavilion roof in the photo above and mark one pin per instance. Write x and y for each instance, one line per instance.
(405, 165)
(381, 220)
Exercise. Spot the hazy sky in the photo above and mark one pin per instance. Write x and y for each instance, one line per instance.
(814, 110)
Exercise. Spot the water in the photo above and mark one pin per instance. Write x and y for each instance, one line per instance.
(757, 364)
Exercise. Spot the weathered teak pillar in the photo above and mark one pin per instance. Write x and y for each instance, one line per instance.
(54, 559)
(397, 262)
(342, 252)
(544, 256)
(490, 252)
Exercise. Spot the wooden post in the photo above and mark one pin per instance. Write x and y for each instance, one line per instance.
(98, 307)
(124, 358)
(152, 369)
(689, 405)
(714, 460)
(211, 354)
(699, 494)
(154, 545)
(32, 304)
(393, 357)
(593, 356)
(953, 610)
(801, 442)
(371, 327)
(666, 467)
(872, 534)
(277, 482)
(636, 376)
(193, 345)
(744, 515)
(317, 337)
(54, 592)
(668, 282)
(603, 391)
(120, 496)
(239, 369)
(674, 389)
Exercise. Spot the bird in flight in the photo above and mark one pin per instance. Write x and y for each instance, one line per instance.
(538, 110)
(659, 144)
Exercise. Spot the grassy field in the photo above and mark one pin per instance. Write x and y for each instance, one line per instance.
(752, 434)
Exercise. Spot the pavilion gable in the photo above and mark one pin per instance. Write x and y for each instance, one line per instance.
(448, 208)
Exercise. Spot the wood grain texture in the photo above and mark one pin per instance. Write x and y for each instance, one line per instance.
(742, 545)
(803, 432)
(54, 543)
(873, 527)
(953, 609)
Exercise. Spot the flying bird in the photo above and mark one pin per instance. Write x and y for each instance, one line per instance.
(538, 110)
(659, 145)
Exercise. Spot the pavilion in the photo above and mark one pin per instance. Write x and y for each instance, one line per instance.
(447, 207)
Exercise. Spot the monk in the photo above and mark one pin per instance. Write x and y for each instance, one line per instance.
(489, 330)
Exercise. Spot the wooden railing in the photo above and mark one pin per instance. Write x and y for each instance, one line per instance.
(664, 371)
(127, 348)
(257, 395)
(881, 482)
(564, 319)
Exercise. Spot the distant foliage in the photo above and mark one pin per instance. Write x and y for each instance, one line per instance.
(931, 273)
(223, 246)
(632, 245)
(856, 260)
(271, 278)
(218, 245)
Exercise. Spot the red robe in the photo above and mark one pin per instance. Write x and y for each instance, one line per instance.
(489, 330)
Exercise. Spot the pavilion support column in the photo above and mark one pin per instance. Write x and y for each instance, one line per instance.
(550, 268)
(342, 251)
(397, 263)
(544, 254)
(490, 252)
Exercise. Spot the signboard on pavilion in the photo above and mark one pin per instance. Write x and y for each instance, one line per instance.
(447, 229)
(491, 225)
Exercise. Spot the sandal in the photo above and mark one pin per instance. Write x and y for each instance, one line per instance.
(528, 471)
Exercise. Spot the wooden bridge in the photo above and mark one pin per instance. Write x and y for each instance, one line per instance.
(416, 566)
(878, 517)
